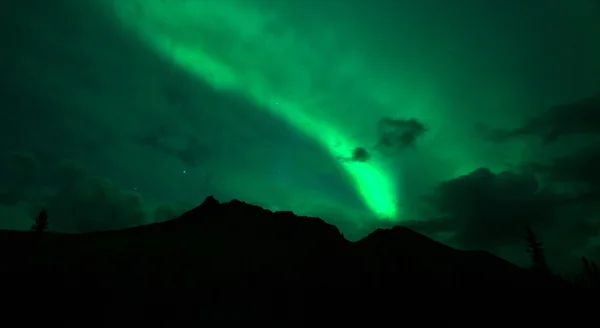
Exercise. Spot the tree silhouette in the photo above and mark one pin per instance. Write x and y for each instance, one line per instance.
(41, 222)
(591, 275)
(535, 251)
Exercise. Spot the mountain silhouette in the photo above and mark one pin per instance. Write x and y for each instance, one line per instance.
(236, 248)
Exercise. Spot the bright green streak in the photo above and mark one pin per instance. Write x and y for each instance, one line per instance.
(371, 180)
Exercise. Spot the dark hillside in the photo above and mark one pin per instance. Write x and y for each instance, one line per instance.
(240, 249)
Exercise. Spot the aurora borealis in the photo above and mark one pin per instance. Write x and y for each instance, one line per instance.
(232, 65)
(138, 109)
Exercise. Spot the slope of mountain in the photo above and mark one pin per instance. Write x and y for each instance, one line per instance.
(235, 239)
(241, 249)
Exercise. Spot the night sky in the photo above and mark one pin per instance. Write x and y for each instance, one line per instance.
(463, 119)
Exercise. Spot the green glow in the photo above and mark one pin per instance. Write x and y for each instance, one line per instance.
(371, 180)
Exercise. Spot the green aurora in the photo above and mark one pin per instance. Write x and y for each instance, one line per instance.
(231, 64)
(317, 81)
(156, 104)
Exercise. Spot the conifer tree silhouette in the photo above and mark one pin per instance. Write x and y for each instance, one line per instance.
(591, 274)
(41, 222)
(535, 251)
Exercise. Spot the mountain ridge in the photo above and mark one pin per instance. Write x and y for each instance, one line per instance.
(239, 241)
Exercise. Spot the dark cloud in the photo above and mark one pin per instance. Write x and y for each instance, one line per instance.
(359, 154)
(186, 147)
(484, 209)
(558, 193)
(67, 173)
(571, 146)
(580, 166)
(574, 174)
(76, 201)
(20, 170)
(94, 204)
(581, 117)
(560, 199)
(84, 202)
(398, 134)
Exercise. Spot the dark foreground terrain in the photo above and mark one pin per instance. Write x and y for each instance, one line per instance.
(240, 259)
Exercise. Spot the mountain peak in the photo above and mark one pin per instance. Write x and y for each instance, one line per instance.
(242, 241)
(210, 201)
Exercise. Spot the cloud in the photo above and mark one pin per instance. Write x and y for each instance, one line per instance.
(359, 154)
(557, 192)
(16, 217)
(22, 167)
(76, 201)
(581, 117)
(570, 154)
(398, 134)
(579, 166)
(21, 170)
(186, 147)
(67, 172)
(82, 202)
(94, 204)
(484, 209)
